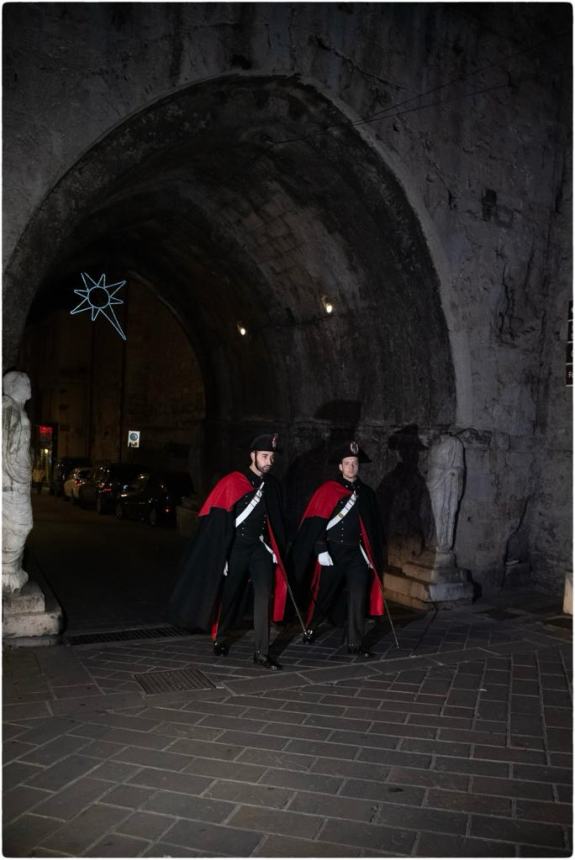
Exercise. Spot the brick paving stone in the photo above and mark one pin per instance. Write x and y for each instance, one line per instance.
(267, 714)
(328, 806)
(116, 845)
(254, 795)
(60, 774)
(559, 739)
(304, 781)
(437, 747)
(84, 829)
(341, 767)
(526, 742)
(560, 760)
(401, 795)
(16, 772)
(212, 838)
(101, 749)
(29, 711)
(392, 757)
(184, 806)
(509, 755)
(166, 849)
(532, 851)
(511, 788)
(277, 821)
(371, 836)
(287, 730)
(422, 819)
(348, 723)
(517, 831)
(184, 730)
(54, 750)
(146, 825)
(542, 774)
(21, 799)
(27, 831)
(14, 749)
(225, 769)
(322, 748)
(456, 800)
(129, 796)
(221, 749)
(73, 799)
(153, 758)
(442, 845)
(174, 781)
(285, 846)
(113, 771)
(429, 778)
(557, 813)
(472, 766)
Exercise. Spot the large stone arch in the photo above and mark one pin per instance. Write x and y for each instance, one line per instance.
(250, 199)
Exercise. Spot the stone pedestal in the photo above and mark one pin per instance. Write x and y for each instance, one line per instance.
(433, 580)
(29, 615)
(568, 595)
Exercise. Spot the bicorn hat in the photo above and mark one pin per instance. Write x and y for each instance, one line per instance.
(266, 442)
(350, 449)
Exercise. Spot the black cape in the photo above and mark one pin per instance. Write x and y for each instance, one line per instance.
(195, 601)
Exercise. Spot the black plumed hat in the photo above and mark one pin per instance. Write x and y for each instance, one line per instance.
(350, 449)
(266, 442)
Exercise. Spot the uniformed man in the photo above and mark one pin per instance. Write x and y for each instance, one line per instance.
(337, 554)
(240, 539)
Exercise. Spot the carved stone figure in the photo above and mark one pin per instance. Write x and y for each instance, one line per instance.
(16, 479)
(445, 478)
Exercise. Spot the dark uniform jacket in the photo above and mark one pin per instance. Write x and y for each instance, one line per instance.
(195, 601)
(327, 501)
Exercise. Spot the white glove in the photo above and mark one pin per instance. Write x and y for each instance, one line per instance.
(324, 559)
(226, 569)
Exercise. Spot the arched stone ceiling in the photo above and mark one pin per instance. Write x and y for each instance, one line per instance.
(248, 198)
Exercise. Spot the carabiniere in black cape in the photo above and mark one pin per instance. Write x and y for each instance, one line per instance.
(195, 600)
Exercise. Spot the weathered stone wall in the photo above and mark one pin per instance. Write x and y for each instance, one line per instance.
(464, 105)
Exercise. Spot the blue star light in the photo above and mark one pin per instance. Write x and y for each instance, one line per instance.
(99, 299)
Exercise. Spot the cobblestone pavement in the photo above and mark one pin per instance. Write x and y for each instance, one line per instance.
(457, 744)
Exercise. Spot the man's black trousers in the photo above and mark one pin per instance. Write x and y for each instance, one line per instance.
(349, 571)
(248, 561)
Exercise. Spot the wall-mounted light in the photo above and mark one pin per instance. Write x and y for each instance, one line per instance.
(242, 329)
(327, 305)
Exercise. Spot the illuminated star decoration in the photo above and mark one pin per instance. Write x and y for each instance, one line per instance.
(99, 298)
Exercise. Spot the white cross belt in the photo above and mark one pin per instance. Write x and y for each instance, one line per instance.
(343, 513)
(247, 510)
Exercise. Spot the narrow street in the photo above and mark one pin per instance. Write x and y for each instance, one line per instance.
(106, 573)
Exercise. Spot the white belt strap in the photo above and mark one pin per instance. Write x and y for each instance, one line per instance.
(269, 549)
(247, 511)
(344, 512)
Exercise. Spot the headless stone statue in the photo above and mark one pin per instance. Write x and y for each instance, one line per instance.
(16, 479)
(445, 477)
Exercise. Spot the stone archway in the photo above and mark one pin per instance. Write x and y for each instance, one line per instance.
(254, 199)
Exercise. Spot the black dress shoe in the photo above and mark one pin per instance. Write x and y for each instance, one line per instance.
(220, 649)
(360, 651)
(266, 662)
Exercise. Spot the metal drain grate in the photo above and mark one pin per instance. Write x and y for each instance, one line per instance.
(124, 635)
(178, 679)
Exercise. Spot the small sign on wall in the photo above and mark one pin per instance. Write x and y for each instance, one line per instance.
(569, 348)
(133, 438)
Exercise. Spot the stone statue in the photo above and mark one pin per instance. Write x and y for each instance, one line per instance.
(445, 477)
(16, 479)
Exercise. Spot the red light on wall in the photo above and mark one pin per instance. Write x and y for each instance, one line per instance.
(45, 433)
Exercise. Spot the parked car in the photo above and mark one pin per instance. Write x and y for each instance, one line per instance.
(153, 497)
(79, 476)
(107, 481)
(63, 469)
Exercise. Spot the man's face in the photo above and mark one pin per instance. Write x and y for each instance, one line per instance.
(349, 467)
(262, 461)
